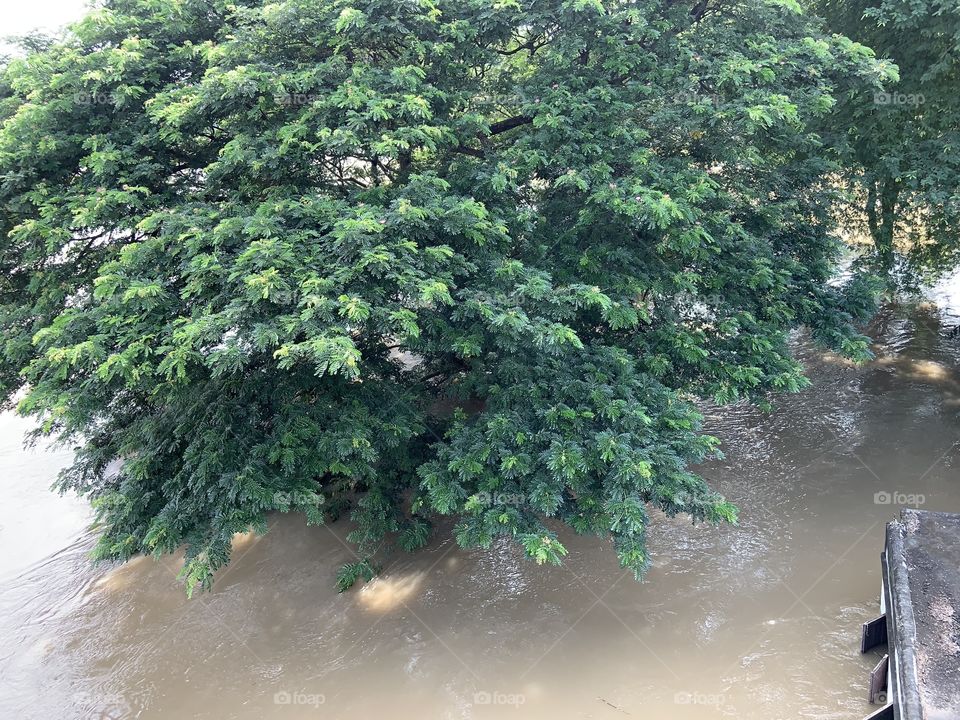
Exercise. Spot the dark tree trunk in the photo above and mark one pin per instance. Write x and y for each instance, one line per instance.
(882, 220)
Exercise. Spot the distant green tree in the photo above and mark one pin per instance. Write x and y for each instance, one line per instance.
(904, 141)
(402, 259)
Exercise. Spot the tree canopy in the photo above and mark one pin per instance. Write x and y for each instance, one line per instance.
(398, 260)
(903, 143)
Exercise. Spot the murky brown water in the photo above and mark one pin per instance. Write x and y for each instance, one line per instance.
(756, 621)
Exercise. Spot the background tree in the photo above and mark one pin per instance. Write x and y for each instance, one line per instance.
(401, 259)
(904, 142)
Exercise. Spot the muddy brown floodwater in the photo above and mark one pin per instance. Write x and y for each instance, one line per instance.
(755, 621)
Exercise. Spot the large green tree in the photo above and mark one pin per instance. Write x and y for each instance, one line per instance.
(413, 257)
(903, 143)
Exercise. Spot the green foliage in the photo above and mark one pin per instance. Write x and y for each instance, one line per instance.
(400, 260)
(902, 144)
(348, 575)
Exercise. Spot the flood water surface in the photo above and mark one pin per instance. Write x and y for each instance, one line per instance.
(760, 620)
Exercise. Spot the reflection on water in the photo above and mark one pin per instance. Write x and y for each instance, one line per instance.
(387, 593)
(34, 524)
(756, 621)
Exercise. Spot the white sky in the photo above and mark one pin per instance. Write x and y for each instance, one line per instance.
(21, 16)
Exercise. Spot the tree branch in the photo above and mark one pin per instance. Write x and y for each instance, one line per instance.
(510, 123)
(473, 152)
(501, 126)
